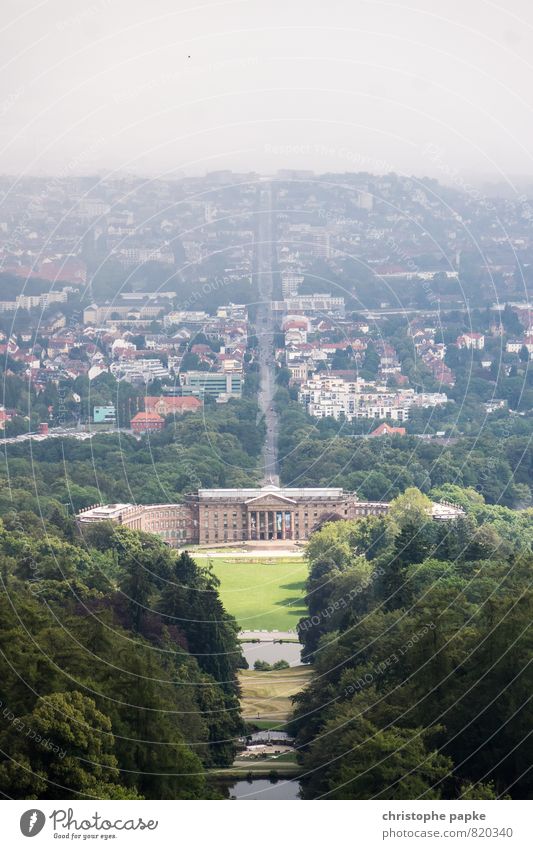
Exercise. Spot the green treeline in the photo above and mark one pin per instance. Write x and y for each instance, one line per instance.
(419, 634)
(495, 458)
(117, 666)
(219, 446)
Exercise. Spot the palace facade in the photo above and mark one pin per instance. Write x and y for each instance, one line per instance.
(273, 513)
(214, 516)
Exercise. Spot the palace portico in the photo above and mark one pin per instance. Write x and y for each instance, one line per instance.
(270, 516)
(272, 513)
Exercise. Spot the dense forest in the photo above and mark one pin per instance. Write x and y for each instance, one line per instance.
(419, 635)
(118, 661)
(219, 446)
(117, 666)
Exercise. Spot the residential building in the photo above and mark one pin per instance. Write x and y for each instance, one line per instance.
(336, 397)
(471, 341)
(290, 283)
(147, 423)
(320, 305)
(172, 404)
(385, 429)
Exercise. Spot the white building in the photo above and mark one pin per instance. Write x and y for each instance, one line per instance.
(290, 283)
(185, 317)
(319, 304)
(471, 341)
(336, 397)
(142, 370)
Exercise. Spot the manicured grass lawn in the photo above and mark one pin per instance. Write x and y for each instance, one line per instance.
(262, 594)
(266, 724)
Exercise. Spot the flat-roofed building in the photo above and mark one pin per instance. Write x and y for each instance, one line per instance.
(269, 513)
(219, 385)
(174, 523)
(315, 304)
(272, 512)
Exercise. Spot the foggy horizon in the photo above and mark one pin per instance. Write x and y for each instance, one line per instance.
(159, 91)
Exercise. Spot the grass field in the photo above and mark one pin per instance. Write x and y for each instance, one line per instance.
(242, 769)
(265, 702)
(262, 594)
(266, 695)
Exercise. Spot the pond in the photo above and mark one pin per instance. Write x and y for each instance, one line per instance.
(261, 789)
(271, 652)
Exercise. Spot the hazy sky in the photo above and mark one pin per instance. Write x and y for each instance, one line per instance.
(422, 87)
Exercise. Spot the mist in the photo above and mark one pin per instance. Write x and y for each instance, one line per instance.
(166, 88)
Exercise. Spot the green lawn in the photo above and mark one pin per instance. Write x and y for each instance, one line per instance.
(262, 594)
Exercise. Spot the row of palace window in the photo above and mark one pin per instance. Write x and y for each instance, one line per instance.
(225, 519)
(244, 519)
(162, 514)
(173, 534)
(245, 515)
(156, 526)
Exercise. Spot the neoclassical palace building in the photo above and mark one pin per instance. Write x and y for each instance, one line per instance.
(213, 516)
(273, 513)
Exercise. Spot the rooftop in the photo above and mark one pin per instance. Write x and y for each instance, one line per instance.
(284, 492)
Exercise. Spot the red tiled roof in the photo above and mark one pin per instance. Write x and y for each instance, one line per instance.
(146, 417)
(177, 403)
(385, 429)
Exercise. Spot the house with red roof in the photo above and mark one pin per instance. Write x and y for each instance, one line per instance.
(385, 429)
(471, 341)
(168, 405)
(147, 423)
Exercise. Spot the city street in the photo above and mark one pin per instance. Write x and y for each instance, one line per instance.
(265, 334)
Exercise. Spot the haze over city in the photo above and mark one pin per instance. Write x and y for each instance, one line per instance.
(340, 86)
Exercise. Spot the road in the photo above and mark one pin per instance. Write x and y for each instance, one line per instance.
(61, 433)
(265, 335)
